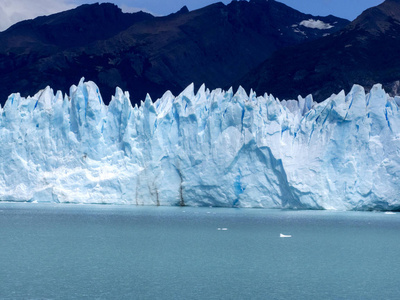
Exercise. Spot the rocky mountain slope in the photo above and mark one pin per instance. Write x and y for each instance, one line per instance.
(216, 45)
(365, 52)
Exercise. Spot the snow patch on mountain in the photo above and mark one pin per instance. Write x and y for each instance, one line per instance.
(316, 24)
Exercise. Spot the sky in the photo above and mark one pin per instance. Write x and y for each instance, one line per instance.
(12, 11)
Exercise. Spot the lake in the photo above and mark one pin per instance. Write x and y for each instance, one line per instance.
(66, 251)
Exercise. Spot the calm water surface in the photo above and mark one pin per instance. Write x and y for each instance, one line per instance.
(129, 252)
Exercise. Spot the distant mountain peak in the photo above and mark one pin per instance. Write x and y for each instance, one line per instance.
(183, 10)
(259, 1)
(76, 27)
(364, 52)
(379, 19)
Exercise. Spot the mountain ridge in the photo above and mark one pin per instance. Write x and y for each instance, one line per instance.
(364, 52)
(215, 45)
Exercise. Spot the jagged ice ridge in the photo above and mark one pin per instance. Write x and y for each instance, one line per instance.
(210, 148)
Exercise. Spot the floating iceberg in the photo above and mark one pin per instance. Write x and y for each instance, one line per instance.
(210, 148)
(285, 235)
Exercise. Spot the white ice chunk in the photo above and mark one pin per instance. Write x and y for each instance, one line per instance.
(285, 235)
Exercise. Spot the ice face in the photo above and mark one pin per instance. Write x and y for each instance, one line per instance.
(210, 148)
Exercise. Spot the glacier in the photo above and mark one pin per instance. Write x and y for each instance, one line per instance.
(204, 148)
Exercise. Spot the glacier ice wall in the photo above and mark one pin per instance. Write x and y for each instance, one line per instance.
(210, 148)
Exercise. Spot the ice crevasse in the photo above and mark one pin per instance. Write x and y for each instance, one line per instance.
(204, 148)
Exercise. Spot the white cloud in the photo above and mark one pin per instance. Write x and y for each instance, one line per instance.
(12, 11)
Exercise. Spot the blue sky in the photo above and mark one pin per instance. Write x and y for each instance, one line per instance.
(12, 11)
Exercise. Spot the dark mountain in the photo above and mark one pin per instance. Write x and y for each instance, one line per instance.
(365, 52)
(215, 45)
(31, 52)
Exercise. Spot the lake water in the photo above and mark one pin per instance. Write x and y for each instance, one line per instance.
(129, 252)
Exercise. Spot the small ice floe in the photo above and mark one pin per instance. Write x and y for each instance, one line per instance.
(224, 229)
(285, 235)
(390, 213)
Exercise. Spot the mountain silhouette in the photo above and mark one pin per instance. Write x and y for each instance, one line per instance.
(216, 45)
(365, 52)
